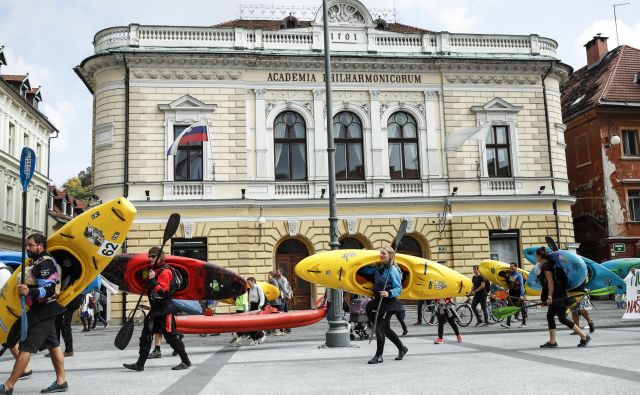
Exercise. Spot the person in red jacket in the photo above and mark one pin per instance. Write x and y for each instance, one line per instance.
(161, 316)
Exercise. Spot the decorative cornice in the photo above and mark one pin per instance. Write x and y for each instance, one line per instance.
(492, 79)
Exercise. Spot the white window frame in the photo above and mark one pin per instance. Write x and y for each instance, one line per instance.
(188, 110)
(498, 112)
(9, 207)
(637, 142)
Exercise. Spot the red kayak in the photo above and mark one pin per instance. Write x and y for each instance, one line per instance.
(260, 320)
(201, 280)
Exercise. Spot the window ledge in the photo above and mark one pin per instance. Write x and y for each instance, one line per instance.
(630, 158)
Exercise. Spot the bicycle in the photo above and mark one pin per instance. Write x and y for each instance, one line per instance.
(430, 311)
(463, 312)
(494, 303)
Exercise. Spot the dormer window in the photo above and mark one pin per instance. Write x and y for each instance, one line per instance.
(64, 207)
(290, 22)
(381, 24)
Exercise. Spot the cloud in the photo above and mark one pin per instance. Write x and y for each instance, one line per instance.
(629, 35)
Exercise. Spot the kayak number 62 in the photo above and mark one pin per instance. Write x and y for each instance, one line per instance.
(108, 248)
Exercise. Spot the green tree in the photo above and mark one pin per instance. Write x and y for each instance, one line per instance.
(80, 186)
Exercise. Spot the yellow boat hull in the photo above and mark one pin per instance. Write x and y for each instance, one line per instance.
(495, 272)
(422, 279)
(87, 243)
(270, 292)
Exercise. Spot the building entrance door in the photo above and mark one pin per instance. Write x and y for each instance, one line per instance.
(289, 254)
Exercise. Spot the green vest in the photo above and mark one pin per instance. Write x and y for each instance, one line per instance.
(241, 302)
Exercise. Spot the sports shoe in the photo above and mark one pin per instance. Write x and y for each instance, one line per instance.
(585, 341)
(505, 326)
(523, 325)
(279, 333)
(55, 387)
(438, 341)
(549, 345)
(404, 333)
(25, 375)
(253, 343)
(234, 338)
(5, 390)
(480, 323)
(459, 338)
(262, 339)
(155, 354)
(401, 353)
(181, 366)
(592, 328)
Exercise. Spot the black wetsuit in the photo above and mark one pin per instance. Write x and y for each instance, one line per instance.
(161, 317)
(558, 306)
(480, 297)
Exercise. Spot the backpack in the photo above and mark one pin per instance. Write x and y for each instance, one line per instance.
(92, 303)
(176, 281)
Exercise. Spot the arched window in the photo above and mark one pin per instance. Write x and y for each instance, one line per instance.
(403, 146)
(292, 246)
(350, 243)
(347, 129)
(409, 246)
(290, 147)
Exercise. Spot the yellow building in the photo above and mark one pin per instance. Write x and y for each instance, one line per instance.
(427, 124)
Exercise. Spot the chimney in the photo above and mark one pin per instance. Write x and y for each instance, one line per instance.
(596, 49)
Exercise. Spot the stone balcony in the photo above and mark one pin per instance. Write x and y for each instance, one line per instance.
(310, 39)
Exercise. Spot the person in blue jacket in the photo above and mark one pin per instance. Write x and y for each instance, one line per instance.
(387, 286)
(516, 294)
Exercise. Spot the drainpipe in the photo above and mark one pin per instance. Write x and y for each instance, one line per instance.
(46, 218)
(126, 165)
(553, 181)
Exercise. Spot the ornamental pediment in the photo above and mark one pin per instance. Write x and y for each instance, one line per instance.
(496, 105)
(187, 102)
(346, 12)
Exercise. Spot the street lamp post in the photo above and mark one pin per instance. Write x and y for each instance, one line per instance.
(337, 335)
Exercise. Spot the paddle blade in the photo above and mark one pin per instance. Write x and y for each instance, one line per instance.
(124, 335)
(603, 291)
(27, 166)
(504, 312)
(24, 323)
(171, 228)
(551, 243)
(401, 231)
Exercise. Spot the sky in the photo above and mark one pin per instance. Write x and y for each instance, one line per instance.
(47, 38)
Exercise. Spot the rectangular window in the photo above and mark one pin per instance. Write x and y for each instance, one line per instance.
(504, 246)
(634, 205)
(36, 215)
(8, 205)
(12, 139)
(630, 142)
(498, 152)
(25, 140)
(192, 248)
(582, 151)
(188, 160)
(39, 158)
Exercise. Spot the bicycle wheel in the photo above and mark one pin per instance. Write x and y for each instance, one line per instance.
(428, 314)
(465, 315)
(492, 318)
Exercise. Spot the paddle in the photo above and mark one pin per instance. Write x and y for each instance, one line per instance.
(27, 167)
(552, 244)
(124, 334)
(506, 311)
(396, 242)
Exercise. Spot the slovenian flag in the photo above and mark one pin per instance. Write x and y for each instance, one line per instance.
(196, 132)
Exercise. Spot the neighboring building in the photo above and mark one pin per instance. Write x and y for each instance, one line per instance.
(22, 124)
(62, 208)
(425, 123)
(601, 107)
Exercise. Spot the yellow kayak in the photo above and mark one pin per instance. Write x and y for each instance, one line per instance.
(270, 292)
(82, 248)
(496, 272)
(422, 279)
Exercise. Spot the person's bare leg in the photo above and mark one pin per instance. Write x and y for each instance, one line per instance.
(14, 352)
(22, 361)
(552, 336)
(157, 338)
(576, 318)
(57, 357)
